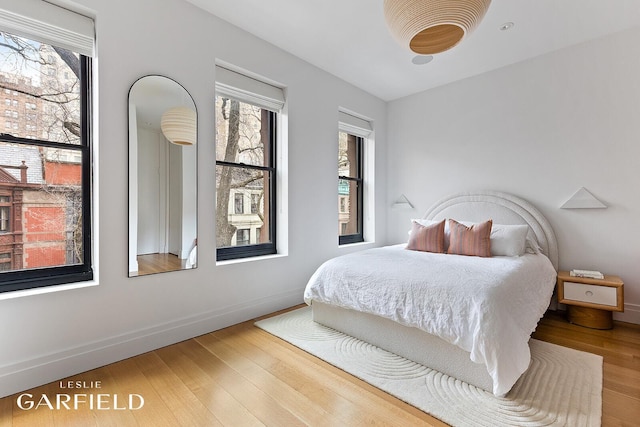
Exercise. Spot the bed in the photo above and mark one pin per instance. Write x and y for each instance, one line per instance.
(466, 316)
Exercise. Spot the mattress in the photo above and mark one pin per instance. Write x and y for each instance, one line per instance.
(485, 306)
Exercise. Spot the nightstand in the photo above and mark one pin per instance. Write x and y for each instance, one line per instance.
(591, 302)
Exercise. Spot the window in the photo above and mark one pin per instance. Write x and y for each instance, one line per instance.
(350, 188)
(5, 261)
(351, 178)
(242, 236)
(255, 203)
(45, 204)
(5, 212)
(239, 203)
(246, 132)
(343, 201)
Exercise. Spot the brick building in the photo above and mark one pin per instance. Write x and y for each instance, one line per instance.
(39, 186)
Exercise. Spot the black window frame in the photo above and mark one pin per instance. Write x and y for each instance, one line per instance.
(258, 249)
(357, 237)
(65, 274)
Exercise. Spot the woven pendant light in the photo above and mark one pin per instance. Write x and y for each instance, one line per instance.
(428, 27)
(178, 125)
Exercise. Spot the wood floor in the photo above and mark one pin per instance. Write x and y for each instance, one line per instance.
(242, 376)
(157, 263)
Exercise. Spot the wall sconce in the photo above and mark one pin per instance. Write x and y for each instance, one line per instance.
(582, 199)
(178, 125)
(402, 203)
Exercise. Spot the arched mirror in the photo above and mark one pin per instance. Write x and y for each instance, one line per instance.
(162, 177)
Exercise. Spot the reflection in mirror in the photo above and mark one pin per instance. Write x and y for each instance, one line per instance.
(162, 177)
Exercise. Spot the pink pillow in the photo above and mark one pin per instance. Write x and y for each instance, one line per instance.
(474, 240)
(427, 238)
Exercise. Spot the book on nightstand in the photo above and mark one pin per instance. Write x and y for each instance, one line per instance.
(591, 274)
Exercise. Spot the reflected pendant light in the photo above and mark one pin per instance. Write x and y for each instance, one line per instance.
(178, 125)
(428, 27)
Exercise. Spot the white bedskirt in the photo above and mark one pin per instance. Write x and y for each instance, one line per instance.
(487, 307)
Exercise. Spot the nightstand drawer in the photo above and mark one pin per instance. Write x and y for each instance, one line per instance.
(594, 294)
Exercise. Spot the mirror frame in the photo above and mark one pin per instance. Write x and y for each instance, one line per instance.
(161, 93)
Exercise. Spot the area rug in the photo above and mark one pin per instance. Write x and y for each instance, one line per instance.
(562, 387)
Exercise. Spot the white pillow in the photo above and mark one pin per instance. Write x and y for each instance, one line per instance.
(508, 240)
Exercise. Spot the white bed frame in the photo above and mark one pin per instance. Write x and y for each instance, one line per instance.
(422, 347)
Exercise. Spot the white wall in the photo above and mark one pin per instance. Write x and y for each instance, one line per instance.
(188, 214)
(133, 187)
(541, 130)
(152, 189)
(49, 336)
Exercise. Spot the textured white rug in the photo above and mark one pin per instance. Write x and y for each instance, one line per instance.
(563, 387)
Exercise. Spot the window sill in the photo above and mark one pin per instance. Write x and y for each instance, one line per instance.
(249, 259)
(47, 289)
(355, 244)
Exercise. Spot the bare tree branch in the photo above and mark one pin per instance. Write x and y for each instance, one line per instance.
(72, 127)
(246, 182)
(70, 59)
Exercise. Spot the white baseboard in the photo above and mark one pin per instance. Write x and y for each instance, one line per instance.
(631, 314)
(51, 367)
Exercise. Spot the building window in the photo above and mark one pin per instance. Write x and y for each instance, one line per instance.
(246, 135)
(355, 178)
(242, 236)
(255, 203)
(239, 203)
(45, 205)
(5, 212)
(350, 187)
(343, 201)
(5, 261)
(245, 141)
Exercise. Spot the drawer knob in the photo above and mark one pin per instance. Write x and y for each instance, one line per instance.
(589, 293)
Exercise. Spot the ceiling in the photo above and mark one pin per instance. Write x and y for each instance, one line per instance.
(349, 38)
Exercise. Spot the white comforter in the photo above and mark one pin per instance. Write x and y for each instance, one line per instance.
(486, 306)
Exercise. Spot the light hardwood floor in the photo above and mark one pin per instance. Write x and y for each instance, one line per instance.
(242, 376)
(158, 263)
